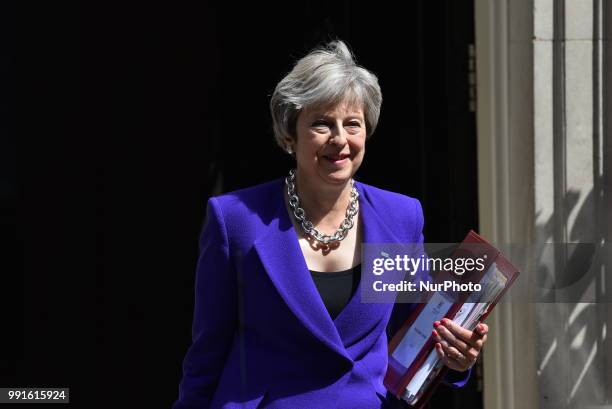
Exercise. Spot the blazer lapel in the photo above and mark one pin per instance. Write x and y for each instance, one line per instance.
(375, 230)
(358, 318)
(280, 253)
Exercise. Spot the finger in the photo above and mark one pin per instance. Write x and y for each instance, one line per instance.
(449, 361)
(440, 351)
(452, 364)
(456, 365)
(462, 363)
(473, 338)
(482, 328)
(453, 353)
(449, 350)
(470, 351)
(457, 329)
(468, 356)
(479, 337)
(443, 342)
(448, 336)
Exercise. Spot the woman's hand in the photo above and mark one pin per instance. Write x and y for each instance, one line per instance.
(458, 347)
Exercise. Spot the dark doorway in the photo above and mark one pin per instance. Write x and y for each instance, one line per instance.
(425, 145)
(143, 112)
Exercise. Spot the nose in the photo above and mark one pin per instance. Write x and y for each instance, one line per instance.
(338, 136)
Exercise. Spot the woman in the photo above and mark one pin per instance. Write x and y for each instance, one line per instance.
(278, 320)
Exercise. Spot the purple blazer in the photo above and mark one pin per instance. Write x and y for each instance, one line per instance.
(262, 337)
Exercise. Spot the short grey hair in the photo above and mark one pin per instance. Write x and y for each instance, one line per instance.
(325, 76)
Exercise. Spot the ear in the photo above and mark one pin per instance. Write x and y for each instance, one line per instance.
(289, 144)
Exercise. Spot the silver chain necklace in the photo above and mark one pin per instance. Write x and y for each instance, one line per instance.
(307, 225)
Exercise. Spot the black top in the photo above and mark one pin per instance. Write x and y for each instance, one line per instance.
(337, 288)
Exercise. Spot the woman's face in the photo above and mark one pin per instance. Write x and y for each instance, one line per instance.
(330, 142)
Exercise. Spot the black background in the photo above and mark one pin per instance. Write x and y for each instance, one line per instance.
(123, 120)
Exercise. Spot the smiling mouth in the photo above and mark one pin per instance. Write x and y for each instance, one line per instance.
(336, 158)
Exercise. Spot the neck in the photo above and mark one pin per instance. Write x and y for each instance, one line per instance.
(325, 204)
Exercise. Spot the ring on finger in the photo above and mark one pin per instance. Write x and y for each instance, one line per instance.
(462, 358)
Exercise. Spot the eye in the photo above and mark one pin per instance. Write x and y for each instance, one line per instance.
(353, 127)
(320, 126)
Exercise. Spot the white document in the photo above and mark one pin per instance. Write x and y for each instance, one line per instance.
(429, 368)
(419, 332)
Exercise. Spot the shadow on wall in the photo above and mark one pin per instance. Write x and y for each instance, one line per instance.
(573, 344)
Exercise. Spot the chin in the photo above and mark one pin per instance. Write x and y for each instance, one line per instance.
(337, 177)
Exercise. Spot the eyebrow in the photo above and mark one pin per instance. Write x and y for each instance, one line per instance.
(327, 117)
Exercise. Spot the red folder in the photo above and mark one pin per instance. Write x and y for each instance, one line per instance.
(398, 377)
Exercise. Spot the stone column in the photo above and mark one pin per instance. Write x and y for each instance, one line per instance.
(545, 177)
